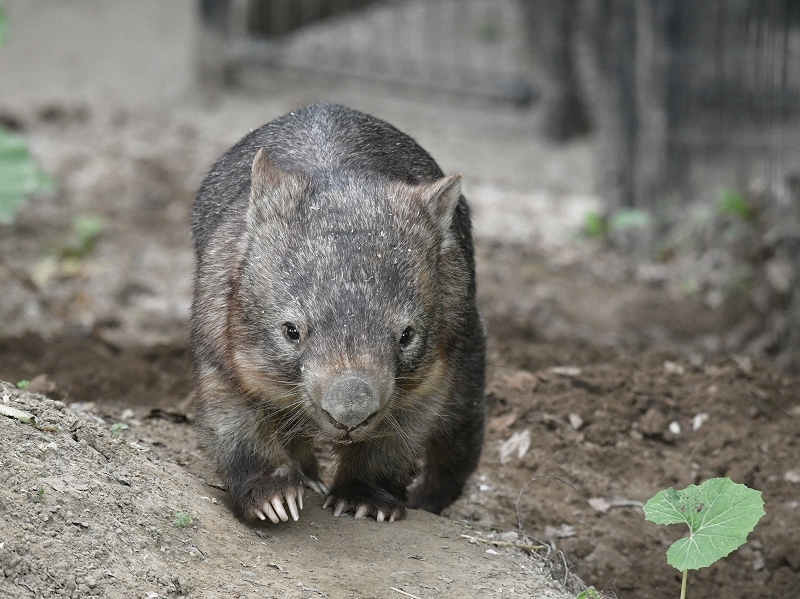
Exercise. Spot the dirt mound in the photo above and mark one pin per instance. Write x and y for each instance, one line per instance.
(87, 512)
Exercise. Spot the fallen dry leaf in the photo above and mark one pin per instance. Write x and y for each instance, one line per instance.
(501, 423)
(599, 505)
(519, 442)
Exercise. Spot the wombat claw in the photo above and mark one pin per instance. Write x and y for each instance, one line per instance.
(274, 510)
(362, 510)
(317, 485)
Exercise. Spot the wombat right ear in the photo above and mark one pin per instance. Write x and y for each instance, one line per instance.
(441, 197)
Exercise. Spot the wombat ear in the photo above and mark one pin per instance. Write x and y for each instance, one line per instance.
(441, 197)
(264, 174)
(273, 191)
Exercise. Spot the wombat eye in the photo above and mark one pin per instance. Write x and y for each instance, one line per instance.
(406, 337)
(291, 332)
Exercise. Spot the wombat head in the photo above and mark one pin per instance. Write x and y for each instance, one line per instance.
(339, 298)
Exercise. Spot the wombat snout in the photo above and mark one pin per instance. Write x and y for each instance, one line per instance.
(350, 401)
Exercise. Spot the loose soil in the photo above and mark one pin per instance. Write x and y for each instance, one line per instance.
(617, 422)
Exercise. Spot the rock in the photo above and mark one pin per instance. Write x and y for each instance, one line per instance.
(653, 423)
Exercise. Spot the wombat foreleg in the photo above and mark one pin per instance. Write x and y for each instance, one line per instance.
(454, 447)
(372, 479)
(265, 478)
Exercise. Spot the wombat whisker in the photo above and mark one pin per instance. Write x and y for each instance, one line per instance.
(423, 410)
(441, 424)
(401, 433)
(289, 426)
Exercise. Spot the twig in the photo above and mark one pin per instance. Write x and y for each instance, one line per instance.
(517, 544)
(550, 546)
(404, 593)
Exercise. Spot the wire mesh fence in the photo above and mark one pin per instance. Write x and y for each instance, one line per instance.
(693, 95)
(471, 47)
(702, 94)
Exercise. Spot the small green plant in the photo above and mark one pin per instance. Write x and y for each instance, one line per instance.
(19, 174)
(719, 513)
(628, 219)
(599, 226)
(23, 383)
(733, 203)
(590, 594)
(181, 520)
(86, 229)
(595, 225)
(117, 427)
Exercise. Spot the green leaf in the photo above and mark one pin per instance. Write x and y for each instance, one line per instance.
(86, 230)
(88, 227)
(3, 26)
(719, 513)
(19, 175)
(117, 427)
(628, 219)
(735, 204)
(595, 225)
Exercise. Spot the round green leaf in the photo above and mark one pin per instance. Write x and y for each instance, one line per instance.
(719, 513)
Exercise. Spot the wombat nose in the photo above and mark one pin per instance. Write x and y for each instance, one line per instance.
(350, 401)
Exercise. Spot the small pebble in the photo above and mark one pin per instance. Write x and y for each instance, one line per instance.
(699, 420)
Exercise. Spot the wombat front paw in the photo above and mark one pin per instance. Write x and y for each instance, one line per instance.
(365, 501)
(270, 497)
(272, 506)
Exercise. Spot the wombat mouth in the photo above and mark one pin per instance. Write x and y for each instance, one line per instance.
(355, 434)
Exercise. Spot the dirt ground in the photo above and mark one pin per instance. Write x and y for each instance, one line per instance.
(606, 376)
(623, 384)
(601, 419)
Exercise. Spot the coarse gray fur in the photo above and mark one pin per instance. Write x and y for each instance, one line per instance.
(334, 301)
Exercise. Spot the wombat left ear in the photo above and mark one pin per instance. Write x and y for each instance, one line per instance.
(273, 190)
(264, 175)
(442, 198)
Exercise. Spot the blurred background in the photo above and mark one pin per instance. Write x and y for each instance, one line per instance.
(668, 130)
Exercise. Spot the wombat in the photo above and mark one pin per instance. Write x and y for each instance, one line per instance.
(334, 302)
